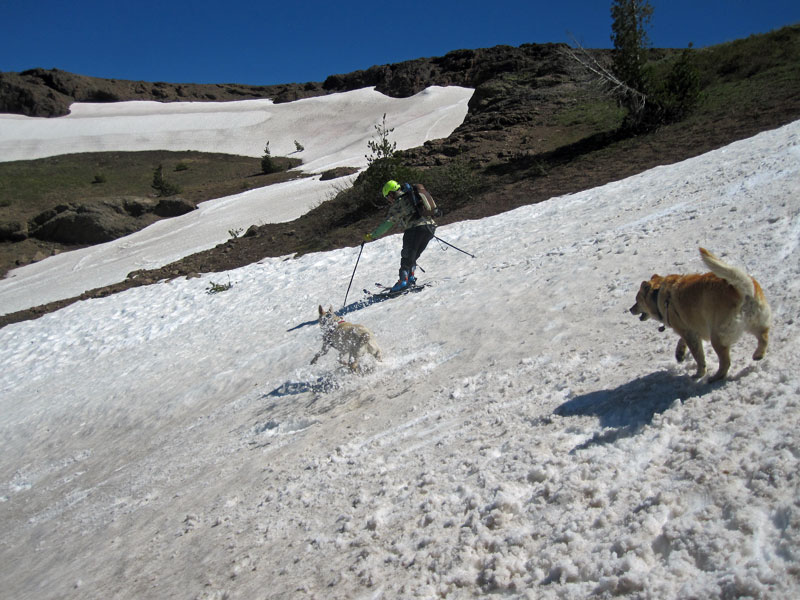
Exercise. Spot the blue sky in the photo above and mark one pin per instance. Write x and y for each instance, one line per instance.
(270, 42)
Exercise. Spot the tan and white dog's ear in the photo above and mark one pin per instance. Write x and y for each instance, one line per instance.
(321, 312)
(330, 309)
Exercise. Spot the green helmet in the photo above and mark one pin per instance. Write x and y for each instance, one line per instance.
(390, 186)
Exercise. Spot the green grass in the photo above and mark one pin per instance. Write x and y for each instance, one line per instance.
(599, 114)
(749, 73)
(31, 186)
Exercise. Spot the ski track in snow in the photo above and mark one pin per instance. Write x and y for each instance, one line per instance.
(524, 436)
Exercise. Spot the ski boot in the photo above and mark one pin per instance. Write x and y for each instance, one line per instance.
(402, 283)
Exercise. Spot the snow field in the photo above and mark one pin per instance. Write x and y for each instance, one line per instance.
(524, 436)
(330, 128)
(334, 131)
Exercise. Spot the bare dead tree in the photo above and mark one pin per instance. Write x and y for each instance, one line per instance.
(632, 99)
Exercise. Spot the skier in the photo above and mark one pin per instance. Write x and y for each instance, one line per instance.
(418, 230)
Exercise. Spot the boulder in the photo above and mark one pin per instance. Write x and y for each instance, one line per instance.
(100, 221)
(13, 231)
(83, 224)
(337, 172)
(137, 206)
(173, 207)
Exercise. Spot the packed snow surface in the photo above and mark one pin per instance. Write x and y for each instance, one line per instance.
(523, 437)
(333, 130)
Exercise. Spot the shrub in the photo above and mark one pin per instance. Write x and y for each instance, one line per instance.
(367, 186)
(216, 288)
(455, 180)
(680, 91)
(161, 185)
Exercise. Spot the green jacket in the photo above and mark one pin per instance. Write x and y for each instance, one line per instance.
(402, 212)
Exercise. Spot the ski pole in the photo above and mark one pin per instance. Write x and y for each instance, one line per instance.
(451, 245)
(353, 275)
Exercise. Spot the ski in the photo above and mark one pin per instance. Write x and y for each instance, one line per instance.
(386, 291)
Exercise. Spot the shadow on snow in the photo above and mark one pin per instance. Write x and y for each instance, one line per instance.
(321, 385)
(368, 300)
(624, 410)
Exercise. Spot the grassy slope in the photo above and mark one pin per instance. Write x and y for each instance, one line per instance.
(33, 186)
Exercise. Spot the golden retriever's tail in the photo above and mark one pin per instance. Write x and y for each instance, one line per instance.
(733, 275)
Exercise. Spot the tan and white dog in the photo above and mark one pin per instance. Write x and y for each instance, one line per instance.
(351, 340)
(717, 306)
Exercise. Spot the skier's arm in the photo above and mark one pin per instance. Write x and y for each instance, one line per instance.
(379, 230)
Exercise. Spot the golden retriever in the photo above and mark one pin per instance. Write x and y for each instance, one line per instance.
(717, 306)
(351, 340)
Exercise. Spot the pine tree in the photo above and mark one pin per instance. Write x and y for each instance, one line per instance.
(161, 185)
(267, 164)
(381, 147)
(681, 89)
(630, 19)
(383, 163)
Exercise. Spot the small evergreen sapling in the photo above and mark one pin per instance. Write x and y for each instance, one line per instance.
(161, 185)
(267, 164)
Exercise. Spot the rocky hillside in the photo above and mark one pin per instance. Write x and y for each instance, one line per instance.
(538, 126)
(49, 92)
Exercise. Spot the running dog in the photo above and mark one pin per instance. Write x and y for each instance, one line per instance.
(351, 340)
(717, 306)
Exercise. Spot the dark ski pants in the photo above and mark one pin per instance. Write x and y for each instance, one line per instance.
(415, 239)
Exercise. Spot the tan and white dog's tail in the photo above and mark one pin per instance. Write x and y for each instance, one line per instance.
(733, 275)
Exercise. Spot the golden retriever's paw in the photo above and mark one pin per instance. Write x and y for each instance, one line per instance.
(717, 377)
(680, 351)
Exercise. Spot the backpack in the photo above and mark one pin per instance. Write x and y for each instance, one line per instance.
(423, 201)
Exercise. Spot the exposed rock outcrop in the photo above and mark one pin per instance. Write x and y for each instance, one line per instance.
(85, 224)
(49, 92)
